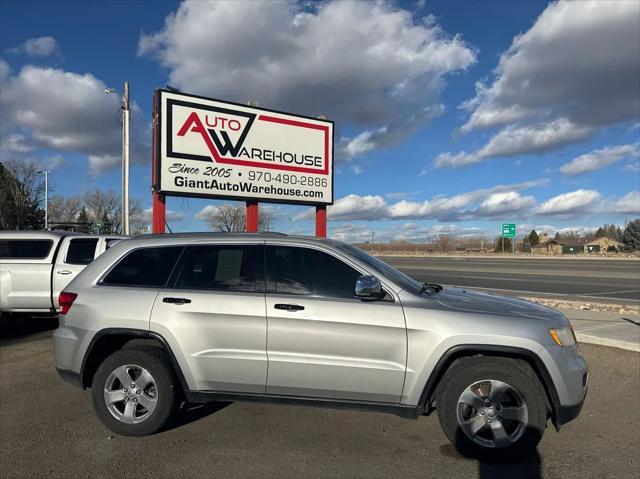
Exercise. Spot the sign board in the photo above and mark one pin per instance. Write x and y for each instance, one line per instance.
(508, 230)
(214, 149)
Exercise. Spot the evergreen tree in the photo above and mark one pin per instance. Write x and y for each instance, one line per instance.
(526, 244)
(85, 222)
(106, 224)
(557, 237)
(631, 236)
(534, 239)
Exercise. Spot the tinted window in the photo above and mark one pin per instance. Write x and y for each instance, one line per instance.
(222, 267)
(144, 267)
(25, 249)
(307, 271)
(81, 251)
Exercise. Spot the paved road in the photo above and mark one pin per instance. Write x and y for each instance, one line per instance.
(48, 429)
(589, 280)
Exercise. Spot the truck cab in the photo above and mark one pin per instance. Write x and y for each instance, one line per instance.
(35, 266)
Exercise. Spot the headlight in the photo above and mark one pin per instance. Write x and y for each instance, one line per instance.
(563, 336)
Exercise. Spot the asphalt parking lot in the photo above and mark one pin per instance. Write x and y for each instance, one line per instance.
(48, 429)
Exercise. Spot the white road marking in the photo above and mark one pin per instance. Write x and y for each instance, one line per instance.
(599, 327)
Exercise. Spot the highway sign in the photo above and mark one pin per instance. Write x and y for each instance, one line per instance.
(508, 230)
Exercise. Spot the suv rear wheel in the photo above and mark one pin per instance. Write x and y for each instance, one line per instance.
(133, 391)
(492, 408)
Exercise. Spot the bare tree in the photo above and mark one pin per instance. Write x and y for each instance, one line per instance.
(231, 217)
(443, 242)
(64, 210)
(105, 207)
(23, 189)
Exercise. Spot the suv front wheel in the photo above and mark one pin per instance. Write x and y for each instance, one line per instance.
(133, 391)
(492, 408)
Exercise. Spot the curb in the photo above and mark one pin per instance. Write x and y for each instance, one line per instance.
(614, 343)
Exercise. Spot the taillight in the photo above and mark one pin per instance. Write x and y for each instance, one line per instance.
(66, 300)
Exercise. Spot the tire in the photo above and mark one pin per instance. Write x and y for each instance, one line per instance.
(135, 411)
(492, 387)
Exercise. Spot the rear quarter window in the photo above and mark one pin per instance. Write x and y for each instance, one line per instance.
(81, 251)
(25, 249)
(146, 267)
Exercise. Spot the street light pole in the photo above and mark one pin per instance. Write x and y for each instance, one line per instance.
(126, 113)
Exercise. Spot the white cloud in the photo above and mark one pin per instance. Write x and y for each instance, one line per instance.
(514, 140)
(68, 112)
(574, 202)
(15, 143)
(580, 61)
(38, 47)
(599, 159)
(368, 64)
(575, 71)
(501, 203)
(628, 204)
(493, 201)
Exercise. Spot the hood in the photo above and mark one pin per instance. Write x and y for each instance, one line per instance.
(462, 299)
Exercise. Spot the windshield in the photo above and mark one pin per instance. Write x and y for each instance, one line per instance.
(390, 272)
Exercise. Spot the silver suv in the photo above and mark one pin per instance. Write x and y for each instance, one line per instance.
(163, 319)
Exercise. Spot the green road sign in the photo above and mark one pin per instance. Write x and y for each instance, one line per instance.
(508, 230)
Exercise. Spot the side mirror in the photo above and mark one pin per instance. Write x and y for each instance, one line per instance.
(369, 287)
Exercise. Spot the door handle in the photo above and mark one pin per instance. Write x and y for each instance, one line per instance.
(176, 300)
(289, 307)
(64, 271)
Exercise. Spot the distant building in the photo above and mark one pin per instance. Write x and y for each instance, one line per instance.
(542, 237)
(603, 245)
(553, 246)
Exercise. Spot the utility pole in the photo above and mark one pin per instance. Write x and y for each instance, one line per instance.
(126, 113)
(46, 198)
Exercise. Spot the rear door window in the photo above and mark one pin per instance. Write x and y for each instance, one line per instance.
(222, 268)
(81, 251)
(25, 249)
(146, 267)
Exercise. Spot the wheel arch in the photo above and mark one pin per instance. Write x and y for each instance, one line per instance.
(109, 340)
(468, 350)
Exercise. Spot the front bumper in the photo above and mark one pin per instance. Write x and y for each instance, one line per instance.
(565, 414)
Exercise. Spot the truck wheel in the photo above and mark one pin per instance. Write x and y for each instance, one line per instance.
(134, 391)
(492, 408)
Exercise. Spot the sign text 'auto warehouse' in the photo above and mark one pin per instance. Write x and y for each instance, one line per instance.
(210, 148)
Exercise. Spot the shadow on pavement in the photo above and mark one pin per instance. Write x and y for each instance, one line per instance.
(528, 467)
(189, 413)
(17, 328)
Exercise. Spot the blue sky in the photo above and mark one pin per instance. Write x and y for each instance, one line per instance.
(451, 117)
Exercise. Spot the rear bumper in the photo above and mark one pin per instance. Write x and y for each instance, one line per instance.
(70, 377)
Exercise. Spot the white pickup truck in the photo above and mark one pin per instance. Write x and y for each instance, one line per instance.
(35, 266)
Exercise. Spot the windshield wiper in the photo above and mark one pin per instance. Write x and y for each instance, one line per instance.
(431, 288)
